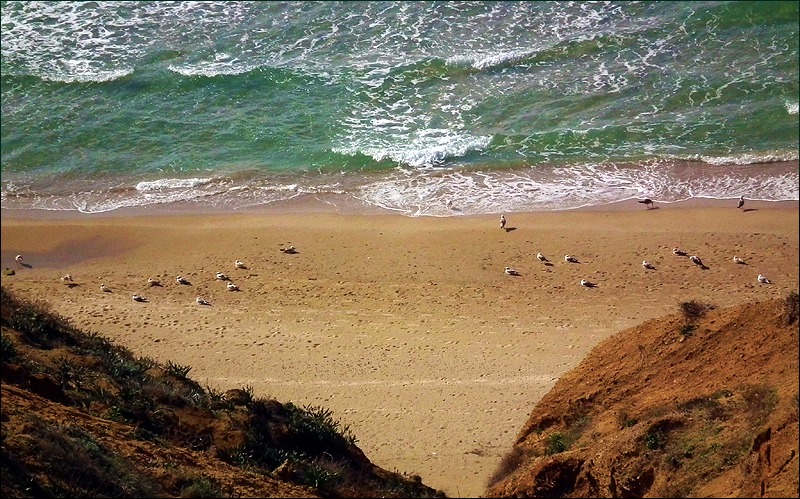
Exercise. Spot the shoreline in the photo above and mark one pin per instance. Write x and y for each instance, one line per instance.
(406, 328)
(344, 205)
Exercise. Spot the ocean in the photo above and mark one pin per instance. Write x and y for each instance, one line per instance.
(421, 108)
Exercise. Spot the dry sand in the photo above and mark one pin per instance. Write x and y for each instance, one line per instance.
(406, 328)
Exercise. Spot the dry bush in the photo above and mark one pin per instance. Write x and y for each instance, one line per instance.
(694, 310)
(791, 308)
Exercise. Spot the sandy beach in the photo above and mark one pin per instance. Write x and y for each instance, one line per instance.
(408, 329)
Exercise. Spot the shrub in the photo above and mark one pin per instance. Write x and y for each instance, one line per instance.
(791, 308)
(694, 310)
(555, 444)
(7, 349)
(177, 370)
(200, 488)
(508, 464)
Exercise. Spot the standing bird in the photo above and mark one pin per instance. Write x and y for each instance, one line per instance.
(154, 282)
(502, 221)
(104, 288)
(182, 280)
(647, 202)
(291, 250)
(587, 284)
(511, 271)
(201, 301)
(697, 261)
(738, 260)
(19, 260)
(232, 287)
(763, 280)
(541, 257)
(138, 298)
(740, 203)
(648, 265)
(679, 252)
(222, 276)
(240, 264)
(570, 259)
(66, 278)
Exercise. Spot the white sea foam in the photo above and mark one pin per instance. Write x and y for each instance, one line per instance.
(171, 183)
(749, 159)
(791, 107)
(427, 148)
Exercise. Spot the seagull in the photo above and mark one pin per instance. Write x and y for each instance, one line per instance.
(182, 280)
(587, 284)
(201, 301)
(502, 221)
(647, 202)
(648, 265)
(570, 259)
(240, 264)
(104, 288)
(290, 250)
(232, 287)
(541, 257)
(154, 282)
(222, 277)
(19, 259)
(66, 279)
(741, 202)
(679, 252)
(138, 298)
(697, 261)
(738, 260)
(763, 280)
(511, 271)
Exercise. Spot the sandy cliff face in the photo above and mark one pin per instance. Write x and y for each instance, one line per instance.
(700, 404)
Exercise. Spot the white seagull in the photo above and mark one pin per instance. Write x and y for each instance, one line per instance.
(738, 260)
(104, 288)
(648, 265)
(570, 259)
(232, 287)
(679, 252)
(740, 203)
(181, 280)
(763, 280)
(290, 250)
(201, 301)
(502, 221)
(511, 271)
(154, 282)
(19, 259)
(240, 264)
(222, 277)
(138, 298)
(587, 284)
(66, 278)
(541, 257)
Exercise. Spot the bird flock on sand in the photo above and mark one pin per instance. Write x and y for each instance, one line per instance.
(152, 282)
(645, 264)
(571, 259)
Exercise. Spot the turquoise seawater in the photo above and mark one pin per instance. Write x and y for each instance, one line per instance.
(416, 107)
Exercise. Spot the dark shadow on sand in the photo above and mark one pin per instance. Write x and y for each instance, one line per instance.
(749, 209)
(509, 229)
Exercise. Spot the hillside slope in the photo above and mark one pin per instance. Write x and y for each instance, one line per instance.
(82, 417)
(703, 403)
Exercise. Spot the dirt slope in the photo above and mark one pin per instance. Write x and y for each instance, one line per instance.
(703, 403)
